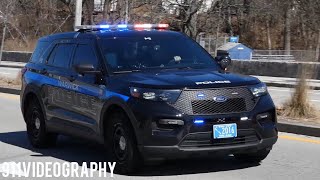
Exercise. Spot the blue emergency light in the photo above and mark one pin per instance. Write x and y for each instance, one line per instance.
(198, 121)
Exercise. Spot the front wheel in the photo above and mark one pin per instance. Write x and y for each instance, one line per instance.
(253, 157)
(121, 144)
(36, 129)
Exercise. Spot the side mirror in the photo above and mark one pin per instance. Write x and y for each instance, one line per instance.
(85, 69)
(224, 61)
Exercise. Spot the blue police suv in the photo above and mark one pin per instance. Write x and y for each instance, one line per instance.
(145, 92)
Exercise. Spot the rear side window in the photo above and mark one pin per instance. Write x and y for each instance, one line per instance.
(85, 55)
(61, 55)
(38, 52)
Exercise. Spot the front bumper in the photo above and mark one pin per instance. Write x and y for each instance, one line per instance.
(173, 152)
(166, 141)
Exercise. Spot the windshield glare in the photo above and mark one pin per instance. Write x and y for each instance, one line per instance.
(152, 52)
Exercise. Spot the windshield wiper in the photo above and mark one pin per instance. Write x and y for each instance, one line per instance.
(184, 67)
(128, 71)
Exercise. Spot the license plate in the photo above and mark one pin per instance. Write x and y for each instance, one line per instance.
(221, 131)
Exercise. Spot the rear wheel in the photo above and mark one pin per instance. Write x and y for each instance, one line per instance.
(36, 129)
(253, 157)
(121, 144)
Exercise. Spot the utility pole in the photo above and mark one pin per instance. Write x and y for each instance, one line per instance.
(78, 14)
(2, 42)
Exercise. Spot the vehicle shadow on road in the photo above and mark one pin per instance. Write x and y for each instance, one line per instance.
(78, 150)
(195, 166)
(67, 148)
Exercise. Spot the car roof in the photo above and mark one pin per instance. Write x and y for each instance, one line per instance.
(109, 34)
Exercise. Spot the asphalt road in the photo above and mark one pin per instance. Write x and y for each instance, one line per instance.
(293, 157)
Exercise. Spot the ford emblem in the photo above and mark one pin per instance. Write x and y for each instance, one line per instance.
(220, 99)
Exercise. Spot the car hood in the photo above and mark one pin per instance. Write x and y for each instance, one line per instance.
(177, 79)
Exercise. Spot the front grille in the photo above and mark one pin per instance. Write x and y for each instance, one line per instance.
(238, 100)
(205, 139)
(210, 106)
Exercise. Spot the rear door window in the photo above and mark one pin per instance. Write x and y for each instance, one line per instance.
(61, 55)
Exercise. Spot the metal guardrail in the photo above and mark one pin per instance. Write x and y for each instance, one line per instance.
(211, 44)
(293, 55)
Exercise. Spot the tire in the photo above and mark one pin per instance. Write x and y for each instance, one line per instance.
(121, 144)
(255, 157)
(36, 128)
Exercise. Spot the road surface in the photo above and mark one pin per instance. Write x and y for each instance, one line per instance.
(282, 95)
(11, 73)
(293, 157)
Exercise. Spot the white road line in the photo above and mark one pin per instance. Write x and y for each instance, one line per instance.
(314, 93)
(286, 90)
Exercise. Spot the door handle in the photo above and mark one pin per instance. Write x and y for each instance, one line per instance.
(43, 71)
(72, 78)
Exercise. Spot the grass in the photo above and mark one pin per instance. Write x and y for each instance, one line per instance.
(299, 106)
(9, 82)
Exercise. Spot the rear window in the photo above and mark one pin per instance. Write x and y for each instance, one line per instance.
(38, 52)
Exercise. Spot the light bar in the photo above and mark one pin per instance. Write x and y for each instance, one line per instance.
(105, 26)
(163, 26)
(143, 26)
(123, 26)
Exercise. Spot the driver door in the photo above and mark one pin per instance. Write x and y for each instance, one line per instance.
(87, 104)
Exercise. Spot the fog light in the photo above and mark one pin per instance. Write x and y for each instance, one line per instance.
(171, 122)
(244, 118)
(264, 116)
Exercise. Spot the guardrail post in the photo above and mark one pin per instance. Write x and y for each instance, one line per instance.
(2, 42)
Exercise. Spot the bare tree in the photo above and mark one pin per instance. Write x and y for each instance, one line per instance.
(186, 12)
(310, 12)
(88, 12)
(263, 24)
(288, 6)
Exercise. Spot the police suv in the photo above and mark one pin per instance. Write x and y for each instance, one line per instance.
(145, 92)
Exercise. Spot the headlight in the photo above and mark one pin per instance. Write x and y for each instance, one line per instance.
(155, 94)
(259, 90)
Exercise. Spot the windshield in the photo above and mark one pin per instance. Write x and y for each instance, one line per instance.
(155, 52)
